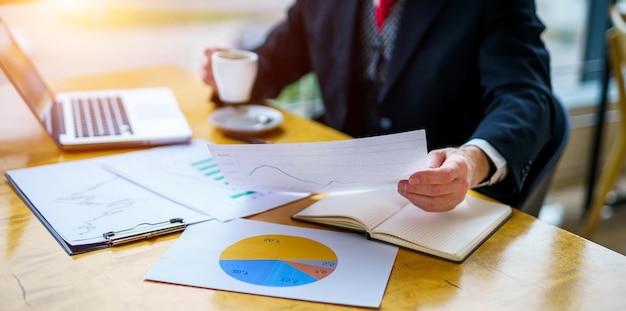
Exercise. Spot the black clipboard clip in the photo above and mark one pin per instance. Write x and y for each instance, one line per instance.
(122, 236)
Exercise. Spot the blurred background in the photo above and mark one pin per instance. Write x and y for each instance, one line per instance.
(67, 38)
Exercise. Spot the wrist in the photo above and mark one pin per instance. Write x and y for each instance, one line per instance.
(482, 168)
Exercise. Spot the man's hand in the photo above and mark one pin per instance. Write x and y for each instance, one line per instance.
(207, 75)
(207, 68)
(452, 172)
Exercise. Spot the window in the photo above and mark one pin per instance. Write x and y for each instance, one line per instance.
(575, 38)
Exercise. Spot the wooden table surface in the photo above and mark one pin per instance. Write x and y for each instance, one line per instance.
(526, 265)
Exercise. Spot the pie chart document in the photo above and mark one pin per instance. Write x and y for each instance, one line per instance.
(276, 260)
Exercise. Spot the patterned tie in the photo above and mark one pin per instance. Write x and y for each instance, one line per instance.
(382, 10)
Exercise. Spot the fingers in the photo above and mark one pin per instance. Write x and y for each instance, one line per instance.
(209, 51)
(436, 158)
(445, 166)
(207, 69)
(434, 198)
(443, 186)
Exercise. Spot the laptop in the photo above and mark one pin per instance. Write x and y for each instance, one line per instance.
(94, 119)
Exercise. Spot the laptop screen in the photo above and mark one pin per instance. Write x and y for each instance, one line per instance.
(24, 76)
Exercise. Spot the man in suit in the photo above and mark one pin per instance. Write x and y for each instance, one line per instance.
(474, 74)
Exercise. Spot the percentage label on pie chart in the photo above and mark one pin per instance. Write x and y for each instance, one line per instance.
(278, 260)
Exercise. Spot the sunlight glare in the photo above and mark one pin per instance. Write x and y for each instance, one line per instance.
(69, 5)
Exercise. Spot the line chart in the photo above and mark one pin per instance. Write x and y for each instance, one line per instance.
(363, 163)
(259, 172)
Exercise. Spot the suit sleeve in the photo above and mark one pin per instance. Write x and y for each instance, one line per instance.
(283, 58)
(515, 77)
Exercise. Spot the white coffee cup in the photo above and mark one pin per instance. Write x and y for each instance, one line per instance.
(234, 72)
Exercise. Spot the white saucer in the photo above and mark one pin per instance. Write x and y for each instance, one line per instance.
(248, 119)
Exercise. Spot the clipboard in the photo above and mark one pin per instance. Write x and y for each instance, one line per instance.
(154, 215)
(139, 232)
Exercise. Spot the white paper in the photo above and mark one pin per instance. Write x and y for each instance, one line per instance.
(360, 275)
(82, 201)
(320, 167)
(188, 175)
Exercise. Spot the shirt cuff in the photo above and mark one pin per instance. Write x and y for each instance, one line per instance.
(496, 158)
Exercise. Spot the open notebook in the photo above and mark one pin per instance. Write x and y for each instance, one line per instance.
(94, 119)
(387, 216)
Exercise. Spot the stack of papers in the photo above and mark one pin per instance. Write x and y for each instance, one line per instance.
(91, 204)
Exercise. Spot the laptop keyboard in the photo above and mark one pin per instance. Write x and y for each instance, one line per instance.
(100, 117)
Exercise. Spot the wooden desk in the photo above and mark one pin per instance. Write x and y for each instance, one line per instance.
(526, 265)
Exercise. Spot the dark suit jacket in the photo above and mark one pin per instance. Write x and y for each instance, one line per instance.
(460, 69)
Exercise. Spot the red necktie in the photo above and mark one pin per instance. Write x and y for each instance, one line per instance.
(382, 10)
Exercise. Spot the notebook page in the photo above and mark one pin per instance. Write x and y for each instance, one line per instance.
(370, 207)
(453, 232)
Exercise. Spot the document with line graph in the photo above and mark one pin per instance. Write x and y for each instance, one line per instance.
(321, 167)
(188, 175)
